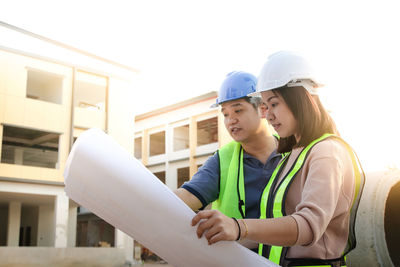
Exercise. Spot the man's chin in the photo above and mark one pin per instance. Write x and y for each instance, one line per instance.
(238, 139)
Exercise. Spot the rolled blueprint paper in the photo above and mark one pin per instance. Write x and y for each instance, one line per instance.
(106, 179)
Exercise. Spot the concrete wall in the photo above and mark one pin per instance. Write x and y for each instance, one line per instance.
(14, 219)
(45, 226)
(61, 257)
(72, 215)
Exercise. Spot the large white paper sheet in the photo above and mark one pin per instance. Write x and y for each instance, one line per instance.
(104, 178)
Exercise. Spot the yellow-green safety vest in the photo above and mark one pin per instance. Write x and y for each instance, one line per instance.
(273, 204)
(231, 200)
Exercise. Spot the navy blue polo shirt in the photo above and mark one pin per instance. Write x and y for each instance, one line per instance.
(205, 183)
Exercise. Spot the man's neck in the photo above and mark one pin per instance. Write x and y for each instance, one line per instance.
(261, 147)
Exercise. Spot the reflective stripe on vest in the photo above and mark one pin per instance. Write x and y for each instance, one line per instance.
(273, 204)
(231, 200)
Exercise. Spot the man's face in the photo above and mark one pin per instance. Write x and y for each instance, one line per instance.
(241, 119)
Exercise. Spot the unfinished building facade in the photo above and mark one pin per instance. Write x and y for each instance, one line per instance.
(49, 94)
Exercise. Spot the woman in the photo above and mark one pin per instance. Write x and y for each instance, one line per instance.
(308, 206)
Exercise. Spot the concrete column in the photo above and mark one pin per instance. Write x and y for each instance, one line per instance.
(72, 216)
(14, 222)
(171, 176)
(18, 156)
(45, 236)
(61, 220)
(145, 147)
(125, 242)
(168, 140)
(192, 146)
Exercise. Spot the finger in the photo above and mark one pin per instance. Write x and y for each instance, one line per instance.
(205, 225)
(204, 214)
(215, 229)
(216, 238)
(224, 228)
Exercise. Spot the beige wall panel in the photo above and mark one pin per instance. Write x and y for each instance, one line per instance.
(10, 170)
(39, 114)
(34, 114)
(3, 73)
(2, 106)
(87, 118)
(14, 110)
(44, 174)
(121, 113)
(12, 74)
(1, 138)
(30, 173)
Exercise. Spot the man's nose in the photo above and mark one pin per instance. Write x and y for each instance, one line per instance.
(232, 119)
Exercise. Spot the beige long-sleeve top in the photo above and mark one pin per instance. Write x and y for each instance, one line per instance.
(320, 199)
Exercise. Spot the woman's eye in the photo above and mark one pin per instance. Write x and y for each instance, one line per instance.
(238, 110)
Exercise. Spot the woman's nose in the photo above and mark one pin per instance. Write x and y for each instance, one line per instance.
(269, 115)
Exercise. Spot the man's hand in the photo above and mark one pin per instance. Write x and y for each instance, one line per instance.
(215, 226)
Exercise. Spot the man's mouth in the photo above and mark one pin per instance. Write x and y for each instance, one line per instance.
(235, 130)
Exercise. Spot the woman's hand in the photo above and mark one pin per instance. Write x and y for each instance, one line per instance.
(215, 226)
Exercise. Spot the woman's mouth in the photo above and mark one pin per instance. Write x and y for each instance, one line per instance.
(276, 126)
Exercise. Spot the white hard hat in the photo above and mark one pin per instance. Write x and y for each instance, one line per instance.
(286, 68)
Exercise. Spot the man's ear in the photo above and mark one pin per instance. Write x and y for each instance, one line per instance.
(263, 110)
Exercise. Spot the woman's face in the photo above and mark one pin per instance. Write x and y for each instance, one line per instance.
(279, 115)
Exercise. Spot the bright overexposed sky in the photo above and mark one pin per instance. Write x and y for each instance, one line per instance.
(184, 48)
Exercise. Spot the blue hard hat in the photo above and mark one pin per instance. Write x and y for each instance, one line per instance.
(237, 84)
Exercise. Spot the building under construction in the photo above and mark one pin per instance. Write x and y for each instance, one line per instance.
(49, 94)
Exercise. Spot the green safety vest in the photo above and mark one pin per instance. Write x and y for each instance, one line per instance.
(273, 204)
(231, 200)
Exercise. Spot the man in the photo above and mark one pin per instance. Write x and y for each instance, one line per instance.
(234, 178)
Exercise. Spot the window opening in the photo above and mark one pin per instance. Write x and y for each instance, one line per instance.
(207, 131)
(29, 147)
(44, 86)
(157, 143)
(183, 175)
(160, 175)
(181, 137)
